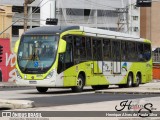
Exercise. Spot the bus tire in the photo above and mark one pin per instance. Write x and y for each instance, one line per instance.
(0, 76)
(138, 80)
(99, 87)
(129, 80)
(80, 84)
(42, 89)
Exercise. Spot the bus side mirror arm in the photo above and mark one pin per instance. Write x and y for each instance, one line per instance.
(62, 46)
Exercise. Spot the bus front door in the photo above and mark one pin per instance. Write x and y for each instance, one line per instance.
(116, 53)
(97, 55)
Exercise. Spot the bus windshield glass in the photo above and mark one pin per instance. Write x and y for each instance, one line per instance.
(37, 53)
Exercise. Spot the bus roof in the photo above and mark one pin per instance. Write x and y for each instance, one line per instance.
(45, 30)
(108, 33)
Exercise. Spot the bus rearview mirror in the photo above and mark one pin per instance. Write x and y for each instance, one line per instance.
(62, 46)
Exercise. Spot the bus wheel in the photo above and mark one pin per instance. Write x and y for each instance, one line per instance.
(42, 89)
(80, 84)
(138, 80)
(129, 81)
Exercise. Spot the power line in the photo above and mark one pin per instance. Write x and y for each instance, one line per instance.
(22, 18)
(10, 26)
(37, 6)
(35, 10)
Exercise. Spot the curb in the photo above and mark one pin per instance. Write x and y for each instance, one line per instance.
(16, 104)
(128, 92)
(15, 87)
(7, 85)
(10, 85)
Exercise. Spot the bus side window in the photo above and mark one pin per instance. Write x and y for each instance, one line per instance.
(116, 50)
(89, 48)
(106, 49)
(79, 49)
(82, 48)
(76, 47)
(131, 51)
(97, 48)
(140, 52)
(68, 56)
(123, 51)
(147, 51)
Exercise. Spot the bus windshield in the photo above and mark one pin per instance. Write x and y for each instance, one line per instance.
(37, 53)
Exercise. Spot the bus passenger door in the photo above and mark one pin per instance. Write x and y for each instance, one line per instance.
(116, 53)
(97, 56)
(66, 63)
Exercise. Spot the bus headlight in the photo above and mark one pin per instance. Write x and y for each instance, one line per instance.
(50, 74)
(18, 74)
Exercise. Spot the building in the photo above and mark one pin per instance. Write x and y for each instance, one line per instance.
(115, 15)
(18, 14)
(150, 25)
(6, 20)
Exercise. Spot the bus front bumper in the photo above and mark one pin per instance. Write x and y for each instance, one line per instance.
(36, 83)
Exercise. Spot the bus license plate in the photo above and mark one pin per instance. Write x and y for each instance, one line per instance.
(32, 82)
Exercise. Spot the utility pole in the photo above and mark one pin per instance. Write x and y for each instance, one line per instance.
(26, 2)
(25, 15)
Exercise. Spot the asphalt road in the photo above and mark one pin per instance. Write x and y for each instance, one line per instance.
(82, 98)
(60, 97)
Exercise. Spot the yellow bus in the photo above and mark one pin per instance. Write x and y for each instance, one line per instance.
(77, 56)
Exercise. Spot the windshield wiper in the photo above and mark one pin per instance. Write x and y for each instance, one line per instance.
(34, 57)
